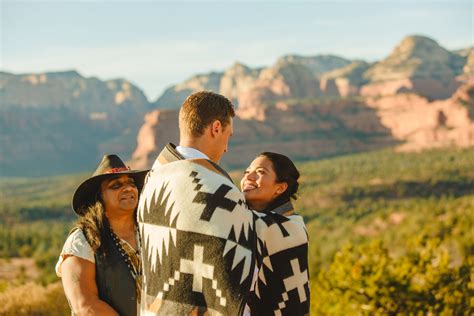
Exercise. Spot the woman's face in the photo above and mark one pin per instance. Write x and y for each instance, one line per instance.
(119, 194)
(259, 184)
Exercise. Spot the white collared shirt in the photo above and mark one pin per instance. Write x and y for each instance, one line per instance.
(191, 153)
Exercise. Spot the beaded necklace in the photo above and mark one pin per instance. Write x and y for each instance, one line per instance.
(135, 270)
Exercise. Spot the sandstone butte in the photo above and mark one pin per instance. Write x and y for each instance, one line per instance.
(421, 96)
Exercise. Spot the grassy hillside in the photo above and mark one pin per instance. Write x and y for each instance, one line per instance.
(390, 233)
(383, 194)
(35, 217)
(29, 199)
(376, 210)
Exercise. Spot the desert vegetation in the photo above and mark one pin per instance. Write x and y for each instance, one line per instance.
(390, 234)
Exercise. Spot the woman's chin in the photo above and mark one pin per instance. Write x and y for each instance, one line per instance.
(248, 196)
(129, 207)
(252, 204)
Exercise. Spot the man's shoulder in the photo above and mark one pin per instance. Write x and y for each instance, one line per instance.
(168, 154)
(209, 164)
(177, 168)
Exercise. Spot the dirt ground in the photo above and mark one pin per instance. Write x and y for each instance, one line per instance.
(14, 268)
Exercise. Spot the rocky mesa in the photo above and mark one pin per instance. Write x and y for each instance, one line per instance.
(60, 122)
(420, 96)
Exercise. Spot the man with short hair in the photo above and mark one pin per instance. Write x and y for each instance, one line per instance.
(197, 234)
(205, 124)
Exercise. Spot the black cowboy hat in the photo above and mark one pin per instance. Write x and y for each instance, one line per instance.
(109, 167)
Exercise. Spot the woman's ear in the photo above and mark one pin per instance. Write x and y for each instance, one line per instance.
(282, 186)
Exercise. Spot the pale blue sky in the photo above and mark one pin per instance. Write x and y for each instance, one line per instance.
(156, 44)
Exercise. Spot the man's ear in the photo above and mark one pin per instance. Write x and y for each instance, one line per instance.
(216, 127)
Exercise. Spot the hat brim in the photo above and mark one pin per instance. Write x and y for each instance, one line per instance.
(86, 193)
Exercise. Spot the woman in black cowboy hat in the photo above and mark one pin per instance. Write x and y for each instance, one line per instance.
(100, 264)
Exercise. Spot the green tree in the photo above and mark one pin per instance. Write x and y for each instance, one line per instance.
(367, 281)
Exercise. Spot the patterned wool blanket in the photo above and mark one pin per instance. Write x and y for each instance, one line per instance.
(282, 287)
(198, 242)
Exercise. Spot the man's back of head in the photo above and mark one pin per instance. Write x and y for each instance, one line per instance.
(205, 123)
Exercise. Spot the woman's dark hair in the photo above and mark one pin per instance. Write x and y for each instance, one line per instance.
(94, 225)
(285, 171)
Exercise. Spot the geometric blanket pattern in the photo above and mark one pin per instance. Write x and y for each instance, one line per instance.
(282, 287)
(198, 242)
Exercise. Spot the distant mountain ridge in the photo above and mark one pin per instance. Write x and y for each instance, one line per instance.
(420, 96)
(417, 57)
(417, 64)
(68, 88)
(240, 78)
(60, 122)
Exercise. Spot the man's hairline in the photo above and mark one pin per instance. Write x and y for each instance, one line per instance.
(223, 124)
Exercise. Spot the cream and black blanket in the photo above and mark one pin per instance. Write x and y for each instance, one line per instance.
(282, 286)
(198, 241)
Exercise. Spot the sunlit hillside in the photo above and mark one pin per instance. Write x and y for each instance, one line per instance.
(390, 233)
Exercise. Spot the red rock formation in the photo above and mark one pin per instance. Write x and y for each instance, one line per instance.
(417, 65)
(330, 88)
(175, 95)
(305, 130)
(347, 80)
(282, 81)
(422, 124)
(160, 127)
(311, 129)
(69, 88)
(236, 80)
(307, 106)
(465, 94)
(431, 88)
(252, 103)
(63, 121)
(318, 65)
(346, 88)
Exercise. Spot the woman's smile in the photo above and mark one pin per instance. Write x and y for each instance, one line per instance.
(127, 196)
(120, 194)
(259, 183)
(247, 186)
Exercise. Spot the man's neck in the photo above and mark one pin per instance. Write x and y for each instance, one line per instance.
(197, 144)
(191, 153)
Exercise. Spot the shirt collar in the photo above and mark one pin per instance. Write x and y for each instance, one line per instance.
(285, 207)
(191, 153)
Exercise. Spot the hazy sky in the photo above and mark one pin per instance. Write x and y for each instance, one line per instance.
(157, 44)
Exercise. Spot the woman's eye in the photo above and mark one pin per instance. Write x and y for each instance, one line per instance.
(118, 185)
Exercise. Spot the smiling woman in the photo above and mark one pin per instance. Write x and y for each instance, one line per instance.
(260, 184)
(104, 245)
(271, 180)
(281, 279)
(120, 195)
